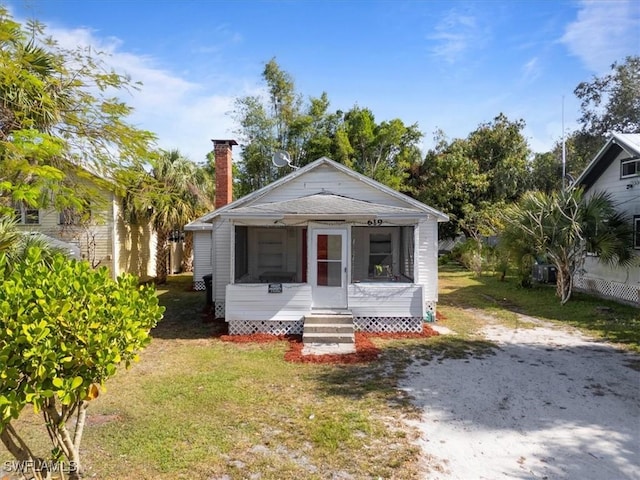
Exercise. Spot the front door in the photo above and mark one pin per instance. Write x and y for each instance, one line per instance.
(328, 268)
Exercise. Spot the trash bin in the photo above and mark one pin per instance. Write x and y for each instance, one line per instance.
(208, 286)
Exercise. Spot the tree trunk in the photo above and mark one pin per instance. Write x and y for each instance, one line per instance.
(162, 256)
(564, 282)
(21, 452)
(187, 254)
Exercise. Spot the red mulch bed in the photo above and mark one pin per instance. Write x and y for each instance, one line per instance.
(366, 351)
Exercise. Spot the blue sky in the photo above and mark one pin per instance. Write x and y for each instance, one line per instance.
(441, 64)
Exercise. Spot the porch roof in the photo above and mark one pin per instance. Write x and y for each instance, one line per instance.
(325, 203)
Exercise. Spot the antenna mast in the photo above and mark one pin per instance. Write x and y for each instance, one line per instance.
(564, 154)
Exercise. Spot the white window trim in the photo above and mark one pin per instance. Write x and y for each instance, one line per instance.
(395, 247)
(625, 162)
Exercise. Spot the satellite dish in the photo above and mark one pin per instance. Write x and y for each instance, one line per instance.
(281, 159)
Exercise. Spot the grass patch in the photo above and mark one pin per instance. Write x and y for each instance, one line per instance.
(606, 319)
(195, 407)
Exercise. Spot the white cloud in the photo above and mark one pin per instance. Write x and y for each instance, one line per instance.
(531, 70)
(183, 114)
(604, 32)
(455, 34)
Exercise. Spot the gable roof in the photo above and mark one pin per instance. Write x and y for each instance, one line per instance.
(324, 203)
(413, 206)
(617, 143)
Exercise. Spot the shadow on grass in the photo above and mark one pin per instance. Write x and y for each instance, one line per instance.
(185, 312)
(383, 375)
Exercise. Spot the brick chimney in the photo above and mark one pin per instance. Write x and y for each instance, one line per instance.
(224, 172)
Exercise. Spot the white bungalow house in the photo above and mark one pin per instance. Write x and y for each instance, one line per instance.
(616, 170)
(323, 239)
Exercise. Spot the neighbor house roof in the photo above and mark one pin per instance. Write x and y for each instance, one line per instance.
(413, 206)
(617, 143)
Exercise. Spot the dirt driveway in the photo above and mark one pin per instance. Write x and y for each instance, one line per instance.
(550, 404)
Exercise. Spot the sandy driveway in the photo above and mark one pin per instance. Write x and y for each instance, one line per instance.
(550, 404)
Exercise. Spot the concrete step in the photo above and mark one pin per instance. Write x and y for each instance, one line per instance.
(344, 319)
(312, 337)
(328, 348)
(329, 328)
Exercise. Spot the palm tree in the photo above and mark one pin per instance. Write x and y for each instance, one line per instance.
(563, 226)
(169, 196)
(14, 245)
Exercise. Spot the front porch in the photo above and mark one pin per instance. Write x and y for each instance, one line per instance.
(282, 274)
(376, 307)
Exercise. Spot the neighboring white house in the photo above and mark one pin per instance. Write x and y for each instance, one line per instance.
(323, 238)
(103, 239)
(615, 170)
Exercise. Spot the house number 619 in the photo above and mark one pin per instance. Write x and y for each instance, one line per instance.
(374, 223)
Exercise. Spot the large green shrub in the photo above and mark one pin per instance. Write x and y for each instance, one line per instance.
(64, 329)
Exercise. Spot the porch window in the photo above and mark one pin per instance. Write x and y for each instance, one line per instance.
(382, 254)
(268, 254)
(636, 232)
(26, 215)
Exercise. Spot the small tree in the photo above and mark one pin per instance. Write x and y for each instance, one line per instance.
(562, 227)
(65, 329)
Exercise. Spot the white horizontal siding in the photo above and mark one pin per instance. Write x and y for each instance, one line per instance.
(385, 300)
(627, 199)
(254, 302)
(427, 256)
(100, 230)
(221, 258)
(596, 269)
(327, 178)
(201, 254)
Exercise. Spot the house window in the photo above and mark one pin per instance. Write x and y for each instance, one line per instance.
(26, 215)
(630, 168)
(382, 254)
(636, 232)
(69, 216)
(75, 216)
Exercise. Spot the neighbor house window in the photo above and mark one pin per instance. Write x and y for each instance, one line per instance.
(636, 232)
(70, 216)
(26, 215)
(630, 168)
(75, 216)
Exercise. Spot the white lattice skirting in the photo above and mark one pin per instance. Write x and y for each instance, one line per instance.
(605, 288)
(388, 324)
(273, 327)
(199, 285)
(219, 309)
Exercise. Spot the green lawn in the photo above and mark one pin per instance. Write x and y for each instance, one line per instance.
(612, 321)
(195, 407)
